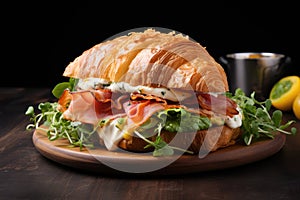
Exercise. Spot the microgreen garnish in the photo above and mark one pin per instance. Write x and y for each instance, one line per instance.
(161, 148)
(77, 133)
(258, 121)
(180, 120)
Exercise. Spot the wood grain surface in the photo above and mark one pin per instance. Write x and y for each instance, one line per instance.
(100, 160)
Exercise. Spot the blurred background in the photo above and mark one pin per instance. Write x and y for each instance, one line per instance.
(40, 39)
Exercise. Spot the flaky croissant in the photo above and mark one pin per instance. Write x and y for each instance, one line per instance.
(151, 58)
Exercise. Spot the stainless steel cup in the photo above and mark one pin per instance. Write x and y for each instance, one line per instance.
(254, 71)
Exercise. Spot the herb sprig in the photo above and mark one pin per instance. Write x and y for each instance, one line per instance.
(258, 121)
(161, 148)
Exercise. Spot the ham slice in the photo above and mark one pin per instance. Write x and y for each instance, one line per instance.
(138, 112)
(90, 106)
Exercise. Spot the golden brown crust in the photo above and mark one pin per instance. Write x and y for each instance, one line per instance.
(151, 57)
(208, 140)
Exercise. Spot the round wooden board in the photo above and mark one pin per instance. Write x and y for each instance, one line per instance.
(102, 161)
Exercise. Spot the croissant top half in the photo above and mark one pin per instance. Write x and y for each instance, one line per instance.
(151, 58)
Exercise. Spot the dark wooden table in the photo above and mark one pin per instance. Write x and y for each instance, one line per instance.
(26, 174)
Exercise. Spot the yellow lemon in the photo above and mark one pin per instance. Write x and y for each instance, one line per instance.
(296, 106)
(284, 92)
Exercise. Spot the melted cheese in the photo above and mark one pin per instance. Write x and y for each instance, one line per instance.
(110, 135)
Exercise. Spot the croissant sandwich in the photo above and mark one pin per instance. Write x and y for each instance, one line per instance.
(151, 92)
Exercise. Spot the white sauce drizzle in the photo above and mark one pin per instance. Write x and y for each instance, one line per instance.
(159, 92)
(235, 121)
(92, 83)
